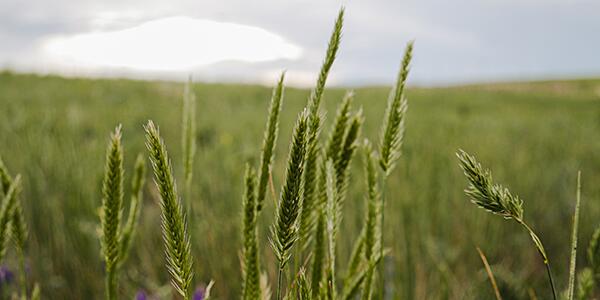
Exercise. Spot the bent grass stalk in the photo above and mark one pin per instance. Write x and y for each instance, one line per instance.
(498, 200)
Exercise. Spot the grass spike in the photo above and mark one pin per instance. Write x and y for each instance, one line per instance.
(269, 141)
(392, 131)
(285, 229)
(316, 94)
(112, 206)
(347, 151)
(177, 242)
(340, 127)
(309, 195)
(593, 253)
(135, 207)
(251, 270)
(585, 285)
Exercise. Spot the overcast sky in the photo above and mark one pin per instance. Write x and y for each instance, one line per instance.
(457, 41)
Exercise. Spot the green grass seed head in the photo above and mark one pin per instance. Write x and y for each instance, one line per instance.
(112, 201)
(392, 131)
(285, 229)
(487, 195)
(177, 242)
(269, 141)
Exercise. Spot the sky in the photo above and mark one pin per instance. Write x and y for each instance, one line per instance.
(456, 42)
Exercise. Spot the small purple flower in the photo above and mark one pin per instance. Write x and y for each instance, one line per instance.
(6, 276)
(199, 294)
(141, 295)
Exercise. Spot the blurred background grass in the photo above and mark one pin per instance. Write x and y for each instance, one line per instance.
(534, 136)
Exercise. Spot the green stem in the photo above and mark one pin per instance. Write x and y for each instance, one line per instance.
(279, 279)
(381, 231)
(22, 277)
(549, 271)
(111, 284)
(542, 252)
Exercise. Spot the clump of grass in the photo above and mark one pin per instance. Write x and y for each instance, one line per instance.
(116, 240)
(498, 200)
(250, 266)
(176, 239)
(285, 228)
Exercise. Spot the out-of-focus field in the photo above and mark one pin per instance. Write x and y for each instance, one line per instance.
(534, 136)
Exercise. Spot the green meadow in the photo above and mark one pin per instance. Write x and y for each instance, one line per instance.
(534, 136)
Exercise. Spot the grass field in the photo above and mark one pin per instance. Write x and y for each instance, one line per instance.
(534, 136)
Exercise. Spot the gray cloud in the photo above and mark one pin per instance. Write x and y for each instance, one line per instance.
(456, 41)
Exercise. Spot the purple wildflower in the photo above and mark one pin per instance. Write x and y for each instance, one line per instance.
(6, 276)
(199, 294)
(141, 295)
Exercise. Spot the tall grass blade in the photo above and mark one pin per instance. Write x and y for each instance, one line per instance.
(177, 242)
(488, 270)
(572, 266)
(188, 129)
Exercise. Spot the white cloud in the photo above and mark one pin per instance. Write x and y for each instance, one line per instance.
(169, 44)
